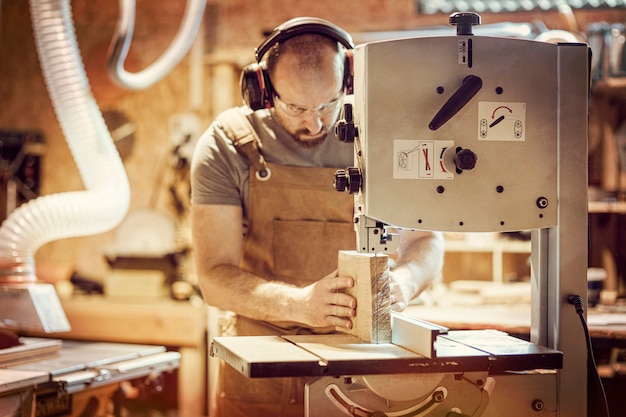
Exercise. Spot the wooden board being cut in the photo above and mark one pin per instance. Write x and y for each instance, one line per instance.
(371, 290)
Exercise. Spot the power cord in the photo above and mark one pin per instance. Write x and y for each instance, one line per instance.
(597, 402)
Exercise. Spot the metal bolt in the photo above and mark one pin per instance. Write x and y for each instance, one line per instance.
(438, 396)
(537, 405)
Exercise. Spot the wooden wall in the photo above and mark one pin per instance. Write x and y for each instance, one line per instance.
(232, 28)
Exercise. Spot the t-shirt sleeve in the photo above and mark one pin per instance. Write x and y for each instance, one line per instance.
(218, 172)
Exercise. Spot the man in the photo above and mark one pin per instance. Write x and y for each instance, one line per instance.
(266, 234)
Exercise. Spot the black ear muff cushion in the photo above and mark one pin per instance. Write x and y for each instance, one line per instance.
(348, 72)
(255, 87)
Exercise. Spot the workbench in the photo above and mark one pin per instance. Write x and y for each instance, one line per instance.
(17, 390)
(49, 377)
(176, 324)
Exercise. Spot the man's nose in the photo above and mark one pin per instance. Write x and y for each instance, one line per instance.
(314, 122)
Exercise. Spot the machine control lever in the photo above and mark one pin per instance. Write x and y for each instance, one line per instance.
(471, 85)
(345, 130)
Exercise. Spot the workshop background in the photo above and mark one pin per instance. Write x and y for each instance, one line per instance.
(155, 128)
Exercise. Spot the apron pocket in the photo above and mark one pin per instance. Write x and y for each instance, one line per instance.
(307, 250)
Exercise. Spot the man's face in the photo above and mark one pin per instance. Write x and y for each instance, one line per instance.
(307, 102)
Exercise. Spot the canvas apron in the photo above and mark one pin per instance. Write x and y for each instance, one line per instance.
(297, 225)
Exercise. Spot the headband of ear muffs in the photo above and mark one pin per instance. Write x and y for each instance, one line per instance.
(256, 88)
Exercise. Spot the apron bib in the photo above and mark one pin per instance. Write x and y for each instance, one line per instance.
(297, 224)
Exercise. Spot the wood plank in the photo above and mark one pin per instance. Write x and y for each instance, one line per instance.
(371, 289)
(79, 355)
(163, 322)
(29, 350)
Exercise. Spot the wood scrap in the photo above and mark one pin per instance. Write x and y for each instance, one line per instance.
(372, 292)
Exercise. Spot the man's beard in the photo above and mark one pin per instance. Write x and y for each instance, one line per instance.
(310, 143)
(297, 136)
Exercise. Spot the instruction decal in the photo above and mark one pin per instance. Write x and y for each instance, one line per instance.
(421, 159)
(502, 121)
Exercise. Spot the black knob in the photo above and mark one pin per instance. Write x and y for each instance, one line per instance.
(465, 159)
(341, 180)
(348, 179)
(464, 22)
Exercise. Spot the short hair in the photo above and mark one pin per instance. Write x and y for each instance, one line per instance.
(308, 48)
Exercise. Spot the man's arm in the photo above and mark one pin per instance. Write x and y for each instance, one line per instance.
(218, 242)
(419, 262)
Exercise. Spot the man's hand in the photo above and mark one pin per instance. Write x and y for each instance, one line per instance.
(324, 303)
(402, 287)
(399, 293)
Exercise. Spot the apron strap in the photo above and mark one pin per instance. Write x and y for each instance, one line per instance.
(238, 128)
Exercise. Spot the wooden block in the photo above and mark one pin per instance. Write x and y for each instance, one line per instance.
(371, 289)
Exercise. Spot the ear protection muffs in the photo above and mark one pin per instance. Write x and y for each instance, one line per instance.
(256, 87)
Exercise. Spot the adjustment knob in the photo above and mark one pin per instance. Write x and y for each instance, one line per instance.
(465, 159)
(341, 180)
(464, 22)
(348, 179)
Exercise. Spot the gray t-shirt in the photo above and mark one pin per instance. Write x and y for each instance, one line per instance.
(220, 175)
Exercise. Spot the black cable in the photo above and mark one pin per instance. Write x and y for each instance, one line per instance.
(596, 403)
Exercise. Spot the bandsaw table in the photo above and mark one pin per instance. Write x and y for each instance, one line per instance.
(343, 354)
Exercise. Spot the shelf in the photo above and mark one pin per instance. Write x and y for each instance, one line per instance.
(497, 247)
(618, 207)
(610, 86)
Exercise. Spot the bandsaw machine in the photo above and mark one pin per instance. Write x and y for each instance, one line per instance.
(458, 133)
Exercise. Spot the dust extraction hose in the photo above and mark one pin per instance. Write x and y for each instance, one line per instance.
(192, 20)
(106, 198)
